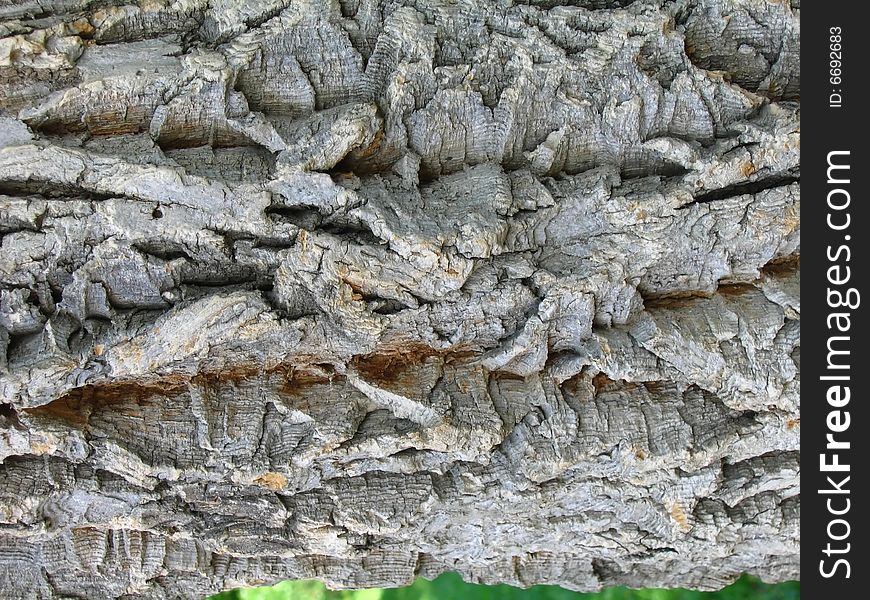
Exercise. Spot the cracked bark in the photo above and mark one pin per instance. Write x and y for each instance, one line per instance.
(369, 290)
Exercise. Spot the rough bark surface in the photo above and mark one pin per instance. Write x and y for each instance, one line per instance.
(374, 289)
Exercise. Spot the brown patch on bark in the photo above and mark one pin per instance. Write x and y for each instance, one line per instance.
(273, 481)
(223, 376)
(735, 289)
(403, 367)
(395, 368)
(76, 406)
(675, 300)
(781, 267)
(681, 300)
(505, 376)
(294, 378)
(388, 363)
(679, 515)
(601, 381)
(357, 292)
(82, 27)
(369, 151)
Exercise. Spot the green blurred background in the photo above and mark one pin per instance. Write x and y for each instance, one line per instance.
(451, 587)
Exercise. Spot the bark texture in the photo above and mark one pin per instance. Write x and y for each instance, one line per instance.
(364, 290)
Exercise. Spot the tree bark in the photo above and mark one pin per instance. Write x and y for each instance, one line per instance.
(376, 289)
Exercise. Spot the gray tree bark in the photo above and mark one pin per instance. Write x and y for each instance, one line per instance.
(376, 289)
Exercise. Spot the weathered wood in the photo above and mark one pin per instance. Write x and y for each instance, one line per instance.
(373, 289)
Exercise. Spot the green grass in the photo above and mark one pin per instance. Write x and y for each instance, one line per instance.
(451, 587)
